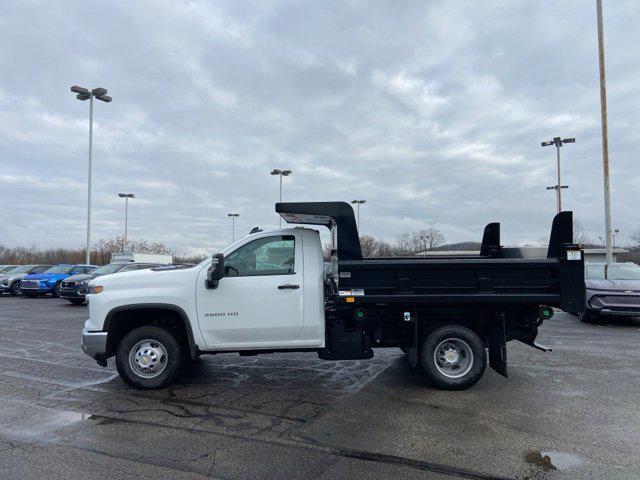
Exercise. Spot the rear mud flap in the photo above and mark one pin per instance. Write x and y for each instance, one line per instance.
(497, 345)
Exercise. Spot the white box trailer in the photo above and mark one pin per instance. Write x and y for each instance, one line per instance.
(136, 257)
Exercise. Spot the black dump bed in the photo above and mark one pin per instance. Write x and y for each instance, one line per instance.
(492, 277)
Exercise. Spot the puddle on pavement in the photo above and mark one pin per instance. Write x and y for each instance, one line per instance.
(552, 460)
(29, 420)
(40, 424)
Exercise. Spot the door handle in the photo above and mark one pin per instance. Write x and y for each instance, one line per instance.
(288, 286)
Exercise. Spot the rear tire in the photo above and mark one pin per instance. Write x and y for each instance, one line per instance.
(453, 357)
(16, 291)
(148, 358)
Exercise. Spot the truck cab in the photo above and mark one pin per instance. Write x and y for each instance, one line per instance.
(270, 297)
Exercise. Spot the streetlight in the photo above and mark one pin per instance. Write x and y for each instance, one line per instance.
(233, 225)
(613, 238)
(126, 197)
(605, 134)
(85, 94)
(358, 202)
(558, 142)
(281, 173)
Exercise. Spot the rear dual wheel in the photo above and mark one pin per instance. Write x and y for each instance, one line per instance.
(453, 357)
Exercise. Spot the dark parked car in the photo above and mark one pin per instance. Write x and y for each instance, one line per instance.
(75, 287)
(11, 281)
(612, 290)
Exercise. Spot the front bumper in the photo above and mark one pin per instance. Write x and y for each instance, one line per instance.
(94, 344)
(32, 287)
(612, 304)
(74, 293)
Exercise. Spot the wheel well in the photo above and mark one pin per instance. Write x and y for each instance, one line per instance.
(476, 325)
(124, 320)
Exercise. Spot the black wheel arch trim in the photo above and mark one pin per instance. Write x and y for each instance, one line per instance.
(193, 348)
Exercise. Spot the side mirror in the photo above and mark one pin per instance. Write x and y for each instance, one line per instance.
(215, 272)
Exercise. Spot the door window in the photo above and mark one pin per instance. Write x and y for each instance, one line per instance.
(263, 256)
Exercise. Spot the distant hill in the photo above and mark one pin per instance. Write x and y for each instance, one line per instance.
(460, 246)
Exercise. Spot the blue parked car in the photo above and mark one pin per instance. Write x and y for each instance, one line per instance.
(49, 281)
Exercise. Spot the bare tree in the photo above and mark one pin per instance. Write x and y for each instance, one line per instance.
(403, 245)
(428, 239)
(100, 253)
(579, 233)
(371, 247)
(635, 238)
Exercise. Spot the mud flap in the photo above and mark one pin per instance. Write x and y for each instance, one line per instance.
(414, 348)
(497, 345)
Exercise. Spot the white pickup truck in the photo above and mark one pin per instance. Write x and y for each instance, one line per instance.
(268, 292)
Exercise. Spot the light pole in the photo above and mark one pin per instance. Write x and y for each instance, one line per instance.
(281, 173)
(358, 203)
(558, 142)
(605, 134)
(126, 197)
(613, 238)
(85, 94)
(233, 225)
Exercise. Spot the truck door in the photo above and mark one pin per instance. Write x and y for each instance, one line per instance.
(259, 302)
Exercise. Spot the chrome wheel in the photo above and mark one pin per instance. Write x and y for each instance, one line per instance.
(148, 358)
(453, 358)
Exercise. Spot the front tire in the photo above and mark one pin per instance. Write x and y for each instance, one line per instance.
(588, 317)
(76, 301)
(148, 358)
(453, 357)
(16, 291)
(56, 290)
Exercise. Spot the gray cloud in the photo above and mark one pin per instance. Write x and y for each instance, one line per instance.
(432, 111)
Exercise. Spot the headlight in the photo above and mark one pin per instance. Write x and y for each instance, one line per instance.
(82, 283)
(5, 282)
(95, 289)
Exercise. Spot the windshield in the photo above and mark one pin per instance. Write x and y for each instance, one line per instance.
(6, 268)
(21, 269)
(620, 271)
(111, 268)
(59, 269)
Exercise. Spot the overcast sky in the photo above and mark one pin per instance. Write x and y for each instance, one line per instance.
(432, 111)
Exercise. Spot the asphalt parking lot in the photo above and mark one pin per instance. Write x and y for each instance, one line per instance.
(295, 416)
